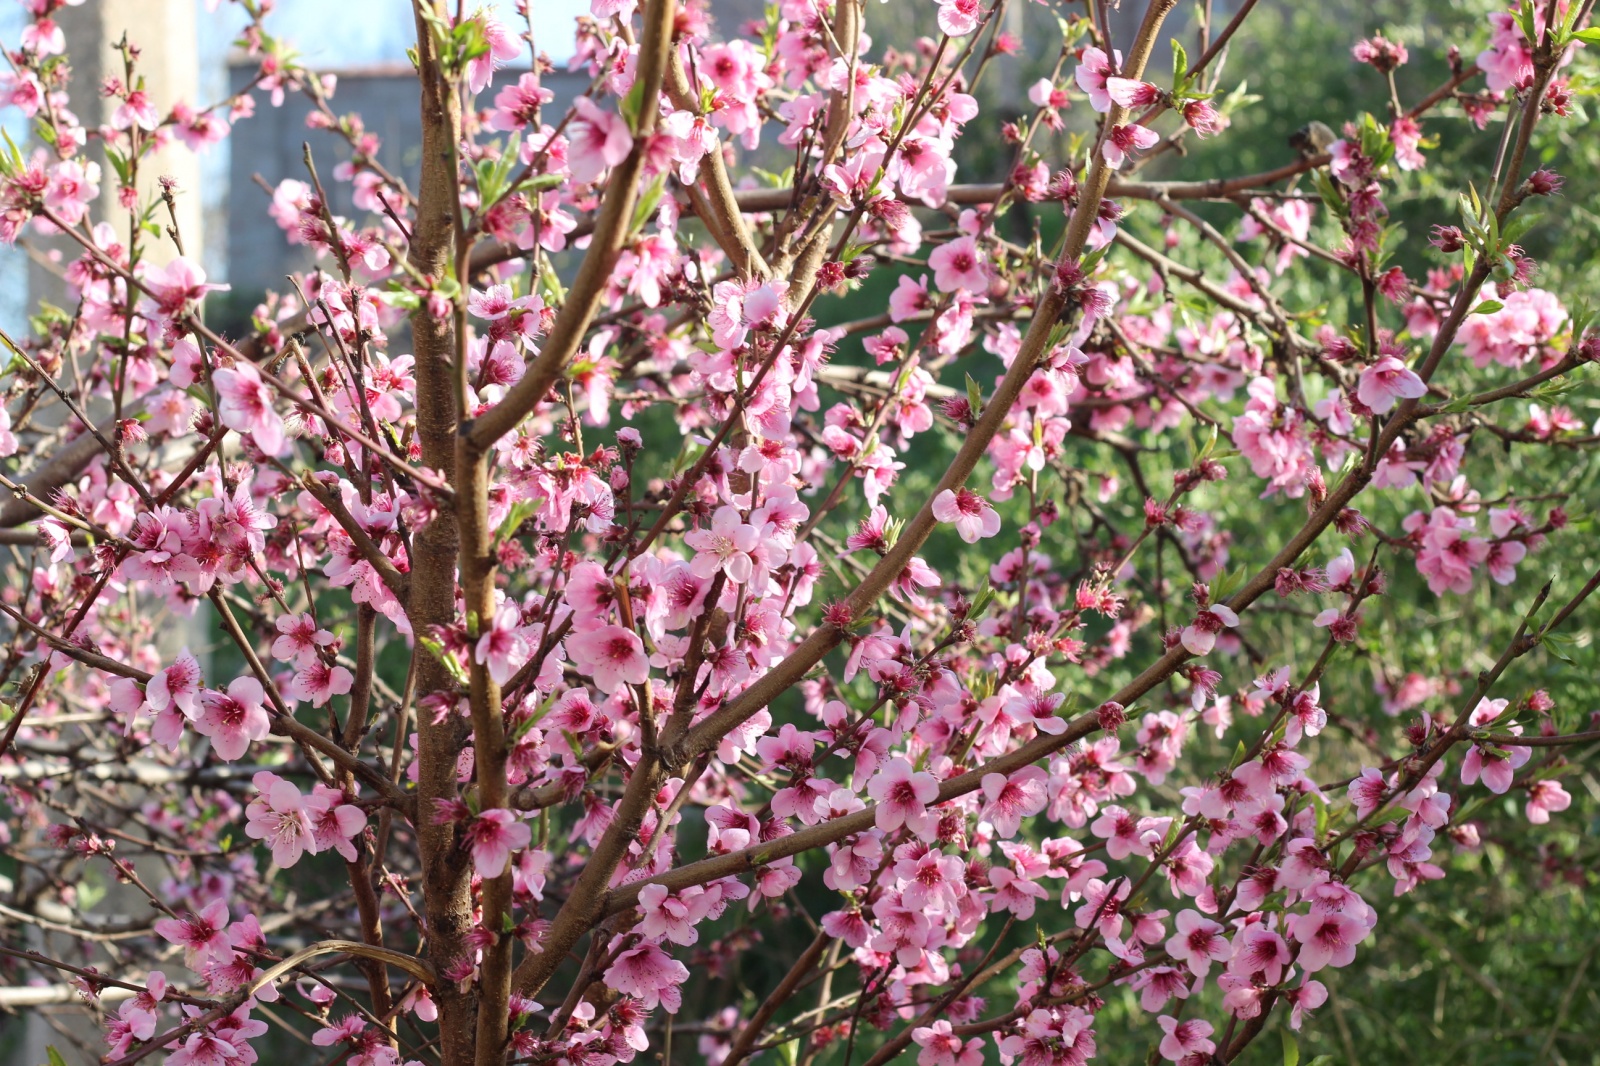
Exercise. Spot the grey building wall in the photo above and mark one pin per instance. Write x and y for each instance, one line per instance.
(269, 147)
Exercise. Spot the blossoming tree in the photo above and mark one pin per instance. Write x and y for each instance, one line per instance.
(650, 607)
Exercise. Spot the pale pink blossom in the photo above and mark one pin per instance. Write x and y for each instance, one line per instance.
(1125, 138)
(319, 682)
(726, 546)
(1197, 942)
(612, 656)
(1200, 636)
(502, 648)
(235, 718)
(598, 140)
(1011, 799)
(1188, 1037)
(1544, 798)
(971, 514)
(1093, 71)
(959, 265)
(299, 639)
(1387, 381)
(493, 836)
(279, 817)
(902, 795)
(203, 936)
(672, 915)
(1326, 939)
(942, 1047)
(177, 686)
(959, 18)
(245, 405)
(650, 975)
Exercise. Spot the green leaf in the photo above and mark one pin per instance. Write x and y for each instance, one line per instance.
(648, 201)
(1488, 307)
(11, 160)
(539, 183)
(1180, 66)
(1092, 260)
(1226, 584)
(630, 105)
(55, 1056)
(519, 513)
(981, 601)
(1588, 36)
(1525, 21)
(445, 659)
(1522, 223)
(974, 396)
(1291, 1049)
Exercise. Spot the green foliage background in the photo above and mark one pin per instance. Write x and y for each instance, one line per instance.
(1496, 963)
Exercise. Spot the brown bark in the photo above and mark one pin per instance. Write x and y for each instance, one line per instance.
(447, 902)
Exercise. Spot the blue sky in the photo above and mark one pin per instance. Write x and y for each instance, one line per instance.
(343, 33)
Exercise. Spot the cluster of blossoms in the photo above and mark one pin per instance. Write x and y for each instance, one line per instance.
(505, 618)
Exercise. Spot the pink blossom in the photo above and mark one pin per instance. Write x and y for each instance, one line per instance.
(598, 140)
(942, 1047)
(1093, 71)
(1122, 831)
(1200, 636)
(73, 185)
(135, 110)
(516, 106)
(278, 815)
(178, 686)
(1128, 93)
(1385, 382)
(299, 639)
(672, 915)
(1188, 1037)
(203, 936)
(502, 648)
(1326, 939)
(611, 655)
(493, 836)
(726, 546)
(176, 286)
(1122, 139)
(503, 46)
(1544, 798)
(245, 405)
(902, 795)
(649, 974)
(319, 682)
(959, 18)
(334, 823)
(972, 515)
(1014, 892)
(235, 718)
(1198, 942)
(959, 266)
(1011, 799)
(1259, 950)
